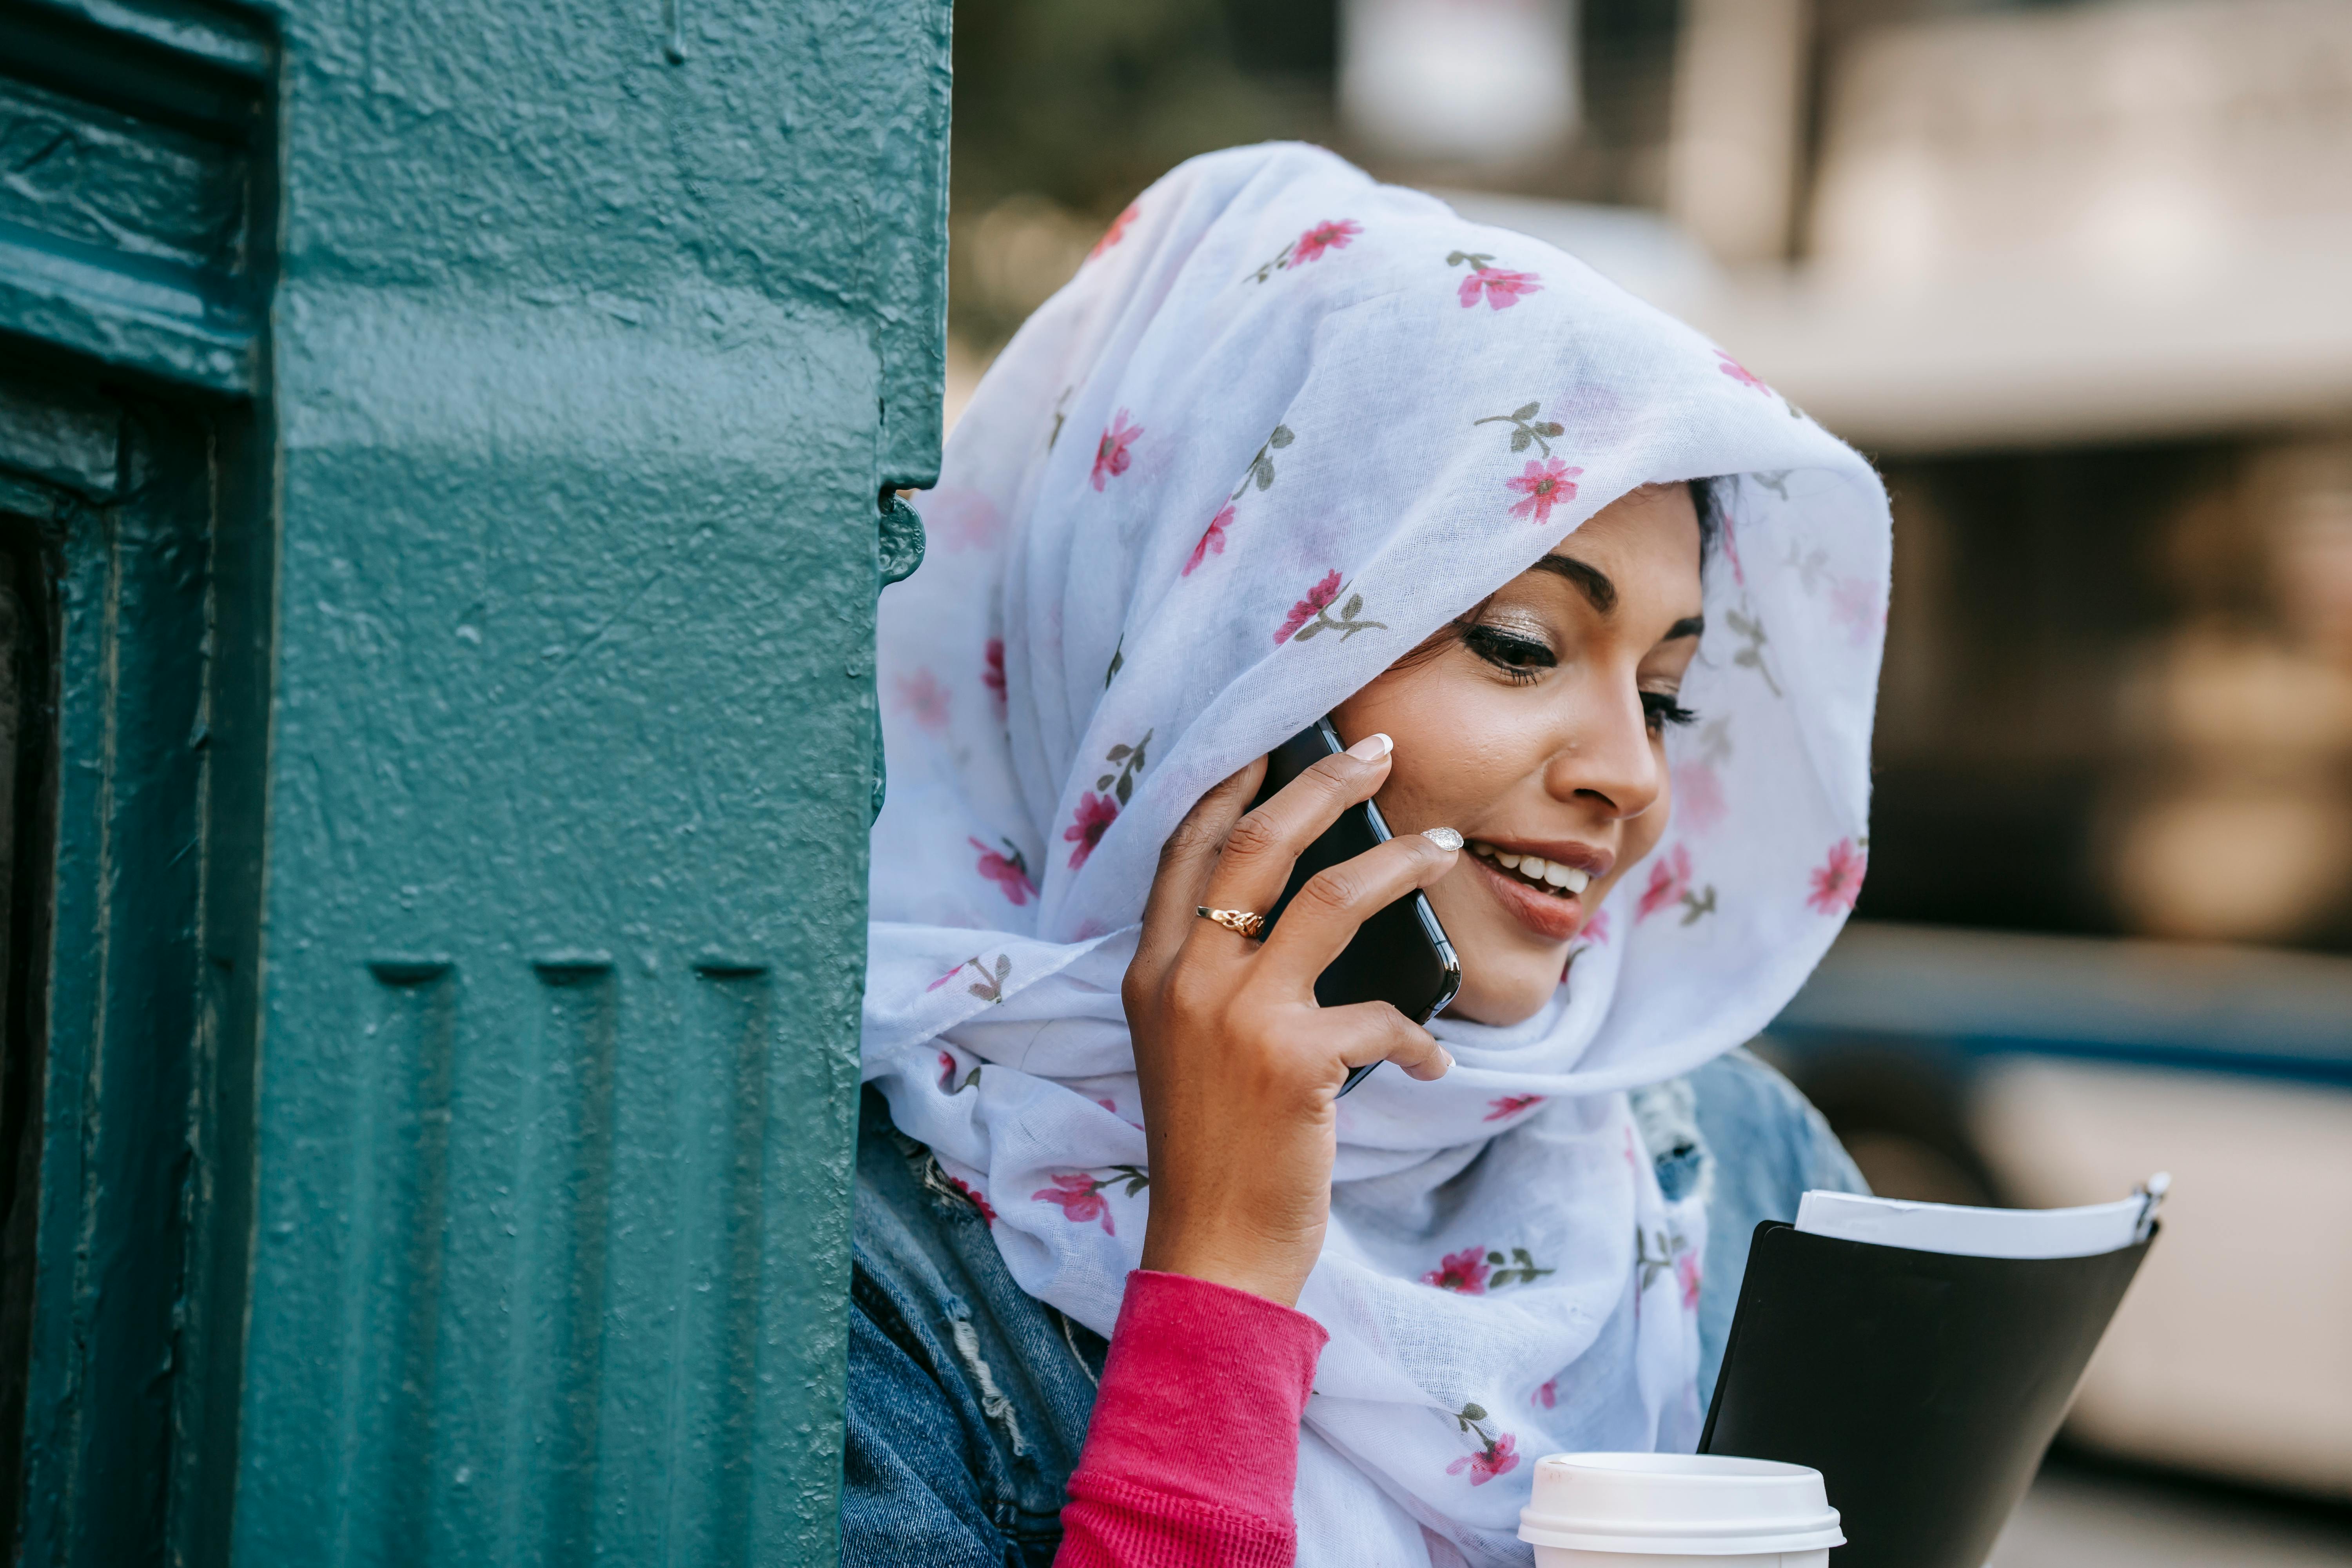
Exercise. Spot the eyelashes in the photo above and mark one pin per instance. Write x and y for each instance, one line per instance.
(1660, 709)
(1522, 660)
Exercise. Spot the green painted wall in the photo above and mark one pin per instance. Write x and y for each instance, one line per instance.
(542, 420)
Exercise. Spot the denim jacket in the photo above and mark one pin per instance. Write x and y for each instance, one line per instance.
(969, 1399)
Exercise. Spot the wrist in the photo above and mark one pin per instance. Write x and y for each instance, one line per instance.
(1221, 1262)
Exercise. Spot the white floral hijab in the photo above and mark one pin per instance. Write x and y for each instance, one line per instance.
(1284, 424)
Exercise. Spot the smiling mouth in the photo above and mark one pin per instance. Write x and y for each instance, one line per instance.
(1544, 876)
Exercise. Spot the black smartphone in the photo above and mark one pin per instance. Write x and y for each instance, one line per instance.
(1399, 955)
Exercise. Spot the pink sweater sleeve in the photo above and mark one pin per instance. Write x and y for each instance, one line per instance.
(1193, 1447)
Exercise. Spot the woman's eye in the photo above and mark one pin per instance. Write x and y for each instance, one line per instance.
(1659, 709)
(1517, 656)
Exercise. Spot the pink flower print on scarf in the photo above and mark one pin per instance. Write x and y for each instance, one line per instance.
(1009, 870)
(1095, 813)
(1317, 598)
(1497, 1452)
(922, 699)
(960, 519)
(1463, 1271)
(1500, 287)
(1731, 547)
(1211, 542)
(991, 671)
(1741, 373)
(1329, 234)
(1545, 483)
(1115, 233)
(1699, 796)
(1510, 1105)
(973, 1196)
(1497, 1457)
(1670, 880)
(1548, 1394)
(1853, 605)
(948, 1084)
(1112, 456)
(1698, 799)
(1317, 609)
(1080, 1197)
(1837, 882)
(1686, 1275)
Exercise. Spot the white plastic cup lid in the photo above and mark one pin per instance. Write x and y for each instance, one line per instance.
(1695, 1504)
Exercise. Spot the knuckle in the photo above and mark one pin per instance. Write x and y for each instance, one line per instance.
(1334, 891)
(1191, 838)
(1253, 835)
(1193, 993)
(1137, 989)
(1333, 778)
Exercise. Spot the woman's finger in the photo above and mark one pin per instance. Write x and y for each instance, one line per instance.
(1319, 924)
(1369, 1032)
(1185, 863)
(1262, 846)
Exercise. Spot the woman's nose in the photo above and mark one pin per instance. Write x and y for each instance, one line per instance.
(1606, 758)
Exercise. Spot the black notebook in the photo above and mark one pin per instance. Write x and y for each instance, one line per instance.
(1923, 1385)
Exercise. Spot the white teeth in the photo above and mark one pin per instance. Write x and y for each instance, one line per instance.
(1536, 868)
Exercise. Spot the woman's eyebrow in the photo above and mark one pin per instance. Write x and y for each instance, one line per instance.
(1592, 579)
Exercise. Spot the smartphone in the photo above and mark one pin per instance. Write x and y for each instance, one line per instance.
(1399, 955)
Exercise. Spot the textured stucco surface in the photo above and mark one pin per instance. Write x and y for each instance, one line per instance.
(599, 323)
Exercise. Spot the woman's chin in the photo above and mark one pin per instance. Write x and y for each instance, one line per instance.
(1500, 999)
(1510, 970)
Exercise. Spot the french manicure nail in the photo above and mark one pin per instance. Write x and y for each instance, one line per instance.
(1371, 748)
(1448, 1055)
(1443, 837)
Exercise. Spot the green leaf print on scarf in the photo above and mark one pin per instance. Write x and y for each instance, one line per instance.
(1261, 467)
(1130, 763)
(1528, 430)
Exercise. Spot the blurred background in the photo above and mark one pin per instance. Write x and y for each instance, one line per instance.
(2078, 275)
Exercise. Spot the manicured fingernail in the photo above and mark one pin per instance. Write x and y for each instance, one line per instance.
(1448, 1055)
(1371, 748)
(1443, 837)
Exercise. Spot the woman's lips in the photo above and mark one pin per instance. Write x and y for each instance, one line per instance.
(1555, 917)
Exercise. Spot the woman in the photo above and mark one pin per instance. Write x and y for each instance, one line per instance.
(1296, 444)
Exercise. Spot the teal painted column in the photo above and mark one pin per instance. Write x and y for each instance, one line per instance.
(598, 327)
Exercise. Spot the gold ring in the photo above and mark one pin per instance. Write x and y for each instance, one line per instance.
(1242, 920)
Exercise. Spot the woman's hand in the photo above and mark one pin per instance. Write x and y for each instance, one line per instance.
(1240, 1068)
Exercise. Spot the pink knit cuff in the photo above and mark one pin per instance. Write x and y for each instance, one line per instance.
(1202, 1397)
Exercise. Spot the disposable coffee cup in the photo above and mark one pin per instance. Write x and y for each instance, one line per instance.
(1677, 1510)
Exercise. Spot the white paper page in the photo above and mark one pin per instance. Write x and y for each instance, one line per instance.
(1974, 1232)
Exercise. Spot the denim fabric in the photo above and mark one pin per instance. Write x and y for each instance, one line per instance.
(1765, 1147)
(969, 1400)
